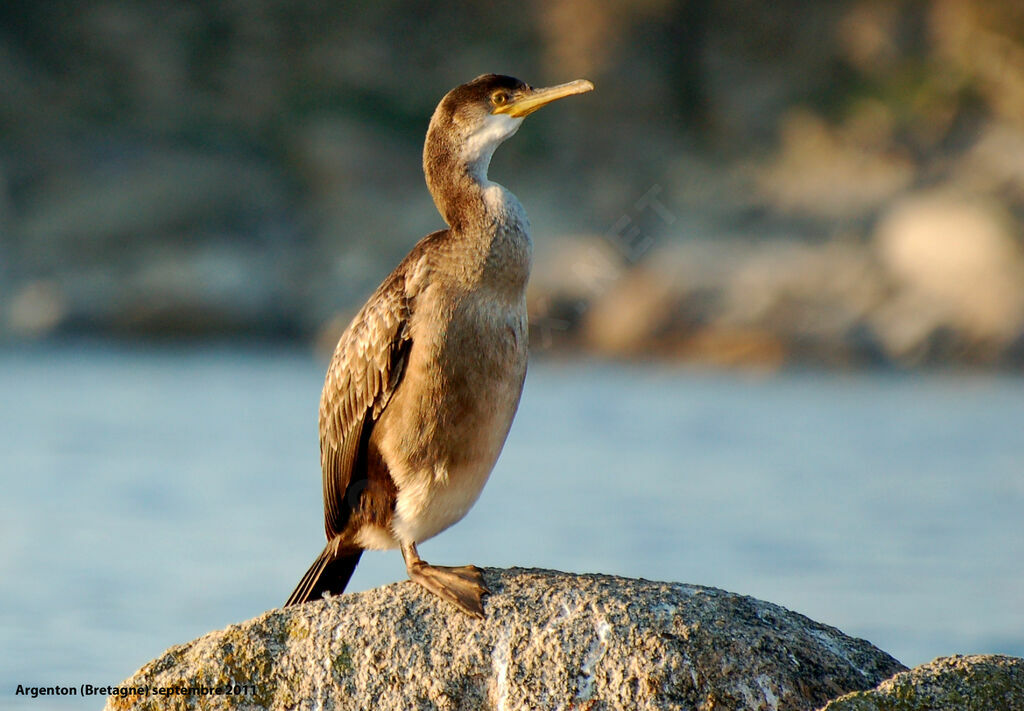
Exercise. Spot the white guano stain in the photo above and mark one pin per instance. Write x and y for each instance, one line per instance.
(765, 684)
(500, 659)
(597, 649)
(832, 644)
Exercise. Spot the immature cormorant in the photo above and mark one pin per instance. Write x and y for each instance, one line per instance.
(425, 381)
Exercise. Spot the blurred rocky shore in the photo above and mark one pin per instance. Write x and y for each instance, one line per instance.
(752, 184)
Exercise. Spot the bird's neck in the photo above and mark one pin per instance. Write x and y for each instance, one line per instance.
(458, 193)
(467, 200)
(486, 220)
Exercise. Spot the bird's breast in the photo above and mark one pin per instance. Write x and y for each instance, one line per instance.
(445, 427)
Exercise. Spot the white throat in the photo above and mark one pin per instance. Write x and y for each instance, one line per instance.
(480, 145)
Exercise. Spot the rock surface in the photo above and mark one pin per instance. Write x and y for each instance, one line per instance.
(550, 641)
(974, 683)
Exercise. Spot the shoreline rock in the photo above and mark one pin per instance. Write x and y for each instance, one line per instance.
(989, 682)
(551, 640)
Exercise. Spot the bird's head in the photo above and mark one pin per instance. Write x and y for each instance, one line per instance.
(473, 119)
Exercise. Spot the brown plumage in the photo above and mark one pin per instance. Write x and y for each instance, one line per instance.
(425, 381)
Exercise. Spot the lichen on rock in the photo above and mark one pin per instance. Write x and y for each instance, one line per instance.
(965, 683)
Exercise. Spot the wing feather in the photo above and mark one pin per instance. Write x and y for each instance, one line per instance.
(364, 373)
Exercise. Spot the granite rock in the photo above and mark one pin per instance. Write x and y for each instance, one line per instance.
(966, 683)
(550, 641)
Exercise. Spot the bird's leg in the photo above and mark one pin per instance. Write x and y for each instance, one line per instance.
(463, 586)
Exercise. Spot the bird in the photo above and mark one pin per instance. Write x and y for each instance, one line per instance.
(425, 381)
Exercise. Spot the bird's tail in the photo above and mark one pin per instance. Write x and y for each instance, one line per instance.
(330, 572)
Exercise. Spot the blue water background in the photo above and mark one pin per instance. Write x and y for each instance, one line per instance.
(150, 495)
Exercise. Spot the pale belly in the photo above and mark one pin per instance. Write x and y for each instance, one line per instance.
(444, 430)
(430, 506)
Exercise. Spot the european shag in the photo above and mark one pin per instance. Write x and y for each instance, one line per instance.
(425, 381)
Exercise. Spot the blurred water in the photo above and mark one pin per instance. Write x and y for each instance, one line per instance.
(150, 496)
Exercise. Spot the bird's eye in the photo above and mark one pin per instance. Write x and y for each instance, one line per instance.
(499, 98)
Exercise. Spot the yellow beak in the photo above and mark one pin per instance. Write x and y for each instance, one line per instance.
(532, 99)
